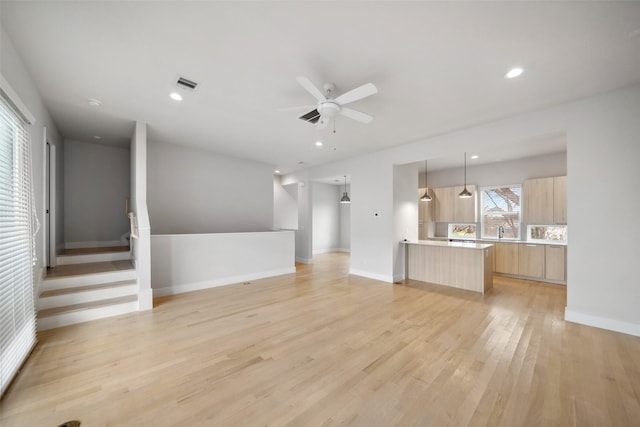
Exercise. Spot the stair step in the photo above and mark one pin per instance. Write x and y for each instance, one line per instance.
(98, 250)
(76, 313)
(84, 294)
(64, 291)
(89, 258)
(78, 275)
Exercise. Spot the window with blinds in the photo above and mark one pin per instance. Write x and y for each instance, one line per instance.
(17, 227)
(501, 208)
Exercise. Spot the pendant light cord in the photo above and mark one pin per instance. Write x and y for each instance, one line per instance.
(465, 170)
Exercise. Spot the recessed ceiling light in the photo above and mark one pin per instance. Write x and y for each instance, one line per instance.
(276, 171)
(97, 137)
(175, 96)
(319, 144)
(514, 72)
(94, 102)
(475, 156)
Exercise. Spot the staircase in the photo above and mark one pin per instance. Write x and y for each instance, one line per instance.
(88, 284)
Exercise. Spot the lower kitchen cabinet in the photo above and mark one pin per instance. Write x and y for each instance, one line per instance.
(531, 259)
(555, 263)
(507, 258)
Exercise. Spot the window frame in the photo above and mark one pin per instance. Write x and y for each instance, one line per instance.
(483, 234)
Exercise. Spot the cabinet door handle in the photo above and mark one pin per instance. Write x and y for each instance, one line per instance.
(532, 246)
(556, 247)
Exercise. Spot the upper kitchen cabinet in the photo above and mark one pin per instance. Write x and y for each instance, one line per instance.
(560, 200)
(545, 200)
(464, 210)
(443, 203)
(451, 208)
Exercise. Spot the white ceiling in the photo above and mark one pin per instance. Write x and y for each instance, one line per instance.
(438, 66)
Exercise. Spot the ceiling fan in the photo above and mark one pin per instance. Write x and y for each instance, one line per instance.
(329, 107)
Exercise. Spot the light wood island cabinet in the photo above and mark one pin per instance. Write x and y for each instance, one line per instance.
(459, 265)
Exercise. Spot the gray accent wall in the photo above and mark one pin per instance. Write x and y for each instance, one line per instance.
(195, 191)
(96, 184)
(326, 217)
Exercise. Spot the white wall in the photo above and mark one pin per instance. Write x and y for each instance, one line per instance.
(184, 263)
(285, 205)
(196, 191)
(602, 134)
(16, 74)
(405, 212)
(96, 184)
(507, 172)
(603, 212)
(326, 217)
(304, 233)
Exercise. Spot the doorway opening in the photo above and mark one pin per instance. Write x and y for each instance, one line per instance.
(49, 227)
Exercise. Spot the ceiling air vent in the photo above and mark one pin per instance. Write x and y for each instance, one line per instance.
(186, 83)
(312, 116)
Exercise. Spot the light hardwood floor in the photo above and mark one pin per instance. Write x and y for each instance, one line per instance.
(321, 348)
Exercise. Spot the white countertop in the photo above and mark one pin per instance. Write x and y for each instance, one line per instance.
(449, 244)
(550, 242)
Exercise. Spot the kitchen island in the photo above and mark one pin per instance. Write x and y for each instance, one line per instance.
(460, 265)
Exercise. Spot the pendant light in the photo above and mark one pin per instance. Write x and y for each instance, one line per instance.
(465, 194)
(425, 197)
(345, 196)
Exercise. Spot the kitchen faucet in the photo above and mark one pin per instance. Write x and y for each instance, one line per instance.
(500, 232)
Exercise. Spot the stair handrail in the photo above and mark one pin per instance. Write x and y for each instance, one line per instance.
(132, 224)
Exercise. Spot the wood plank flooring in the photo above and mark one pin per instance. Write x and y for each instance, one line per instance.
(321, 348)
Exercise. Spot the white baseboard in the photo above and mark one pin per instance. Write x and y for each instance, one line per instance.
(96, 244)
(197, 286)
(303, 260)
(369, 275)
(601, 322)
(326, 251)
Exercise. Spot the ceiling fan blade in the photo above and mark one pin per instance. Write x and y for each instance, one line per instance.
(356, 115)
(357, 93)
(295, 109)
(310, 87)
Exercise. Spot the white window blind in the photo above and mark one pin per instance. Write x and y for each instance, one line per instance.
(17, 228)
